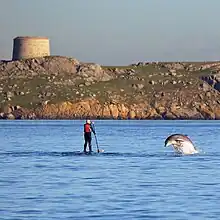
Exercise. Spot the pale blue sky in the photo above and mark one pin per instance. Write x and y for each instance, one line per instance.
(116, 32)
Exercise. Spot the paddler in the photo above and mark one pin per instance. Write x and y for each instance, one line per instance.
(87, 135)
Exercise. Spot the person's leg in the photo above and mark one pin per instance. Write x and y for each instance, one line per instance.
(90, 142)
(86, 141)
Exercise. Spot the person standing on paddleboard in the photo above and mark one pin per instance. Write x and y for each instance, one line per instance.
(88, 129)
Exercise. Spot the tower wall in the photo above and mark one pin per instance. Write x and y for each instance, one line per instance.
(30, 47)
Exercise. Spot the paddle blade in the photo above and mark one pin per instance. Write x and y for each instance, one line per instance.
(100, 150)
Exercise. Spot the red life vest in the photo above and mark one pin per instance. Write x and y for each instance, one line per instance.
(87, 128)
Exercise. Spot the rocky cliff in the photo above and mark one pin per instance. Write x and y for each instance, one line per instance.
(64, 88)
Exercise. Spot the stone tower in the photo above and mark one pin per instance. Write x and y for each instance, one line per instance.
(30, 47)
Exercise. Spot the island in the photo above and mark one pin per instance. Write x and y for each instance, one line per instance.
(58, 87)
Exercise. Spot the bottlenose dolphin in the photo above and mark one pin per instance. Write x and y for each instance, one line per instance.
(181, 144)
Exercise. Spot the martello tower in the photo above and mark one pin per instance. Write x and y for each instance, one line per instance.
(30, 47)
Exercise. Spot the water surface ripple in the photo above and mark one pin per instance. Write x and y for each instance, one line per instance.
(44, 174)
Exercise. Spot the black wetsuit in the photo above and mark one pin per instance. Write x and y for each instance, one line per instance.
(88, 136)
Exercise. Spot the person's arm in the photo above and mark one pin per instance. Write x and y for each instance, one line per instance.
(92, 128)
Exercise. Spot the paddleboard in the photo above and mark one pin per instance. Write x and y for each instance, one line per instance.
(94, 152)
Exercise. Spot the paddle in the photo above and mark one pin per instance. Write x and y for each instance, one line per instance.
(97, 145)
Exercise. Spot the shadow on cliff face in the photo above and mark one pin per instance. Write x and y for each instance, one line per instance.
(213, 81)
(211, 77)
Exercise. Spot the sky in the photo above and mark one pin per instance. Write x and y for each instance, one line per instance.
(116, 32)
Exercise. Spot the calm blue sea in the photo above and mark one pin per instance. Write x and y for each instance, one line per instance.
(44, 175)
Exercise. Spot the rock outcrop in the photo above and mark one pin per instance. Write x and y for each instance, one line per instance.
(65, 88)
(92, 108)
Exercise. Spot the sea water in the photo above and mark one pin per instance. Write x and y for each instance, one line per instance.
(44, 174)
